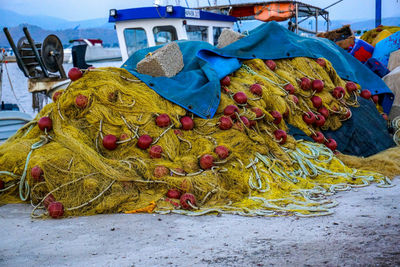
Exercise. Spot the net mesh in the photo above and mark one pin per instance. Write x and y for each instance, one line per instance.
(260, 176)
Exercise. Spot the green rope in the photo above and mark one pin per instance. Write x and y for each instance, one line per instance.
(24, 188)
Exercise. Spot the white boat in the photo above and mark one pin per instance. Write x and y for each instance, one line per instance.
(95, 51)
(139, 28)
(10, 122)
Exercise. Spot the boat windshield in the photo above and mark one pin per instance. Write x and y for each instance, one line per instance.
(135, 39)
(164, 34)
(197, 33)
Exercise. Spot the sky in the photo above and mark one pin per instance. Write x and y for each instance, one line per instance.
(75, 10)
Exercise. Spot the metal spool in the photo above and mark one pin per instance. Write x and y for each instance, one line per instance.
(28, 57)
(52, 53)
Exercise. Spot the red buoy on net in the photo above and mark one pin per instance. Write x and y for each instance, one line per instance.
(226, 81)
(281, 136)
(163, 120)
(56, 209)
(144, 141)
(351, 87)
(331, 144)
(277, 116)
(56, 95)
(74, 74)
(174, 193)
(256, 89)
(240, 98)
(366, 94)
(375, 98)
(160, 171)
(110, 142)
(185, 199)
(48, 200)
(155, 152)
(81, 101)
(222, 152)
(319, 120)
(317, 85)
(270, 64)
(187, 123)
(245, 121)
(45, 123)
(206, 161)
(37, 173)
(324, 112)
(259, 113)
(225, 123)
(294, 99)
(316, 101)
(338, 92)
(321, 62)
(318, 137)
(305, 83)
(289, 88)
(309, 117)
(231, 111)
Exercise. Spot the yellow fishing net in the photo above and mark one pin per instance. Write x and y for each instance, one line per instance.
(370, 35)
(263, 174)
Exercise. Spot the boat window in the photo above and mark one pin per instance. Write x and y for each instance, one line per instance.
(217, 32)
(197, 33)
(164, 34)
(135, 39)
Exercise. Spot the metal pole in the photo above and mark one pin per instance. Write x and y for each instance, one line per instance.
(316, 21)
(37, 56)
(378, 12)
(327, 22)
(297, 18)
(17, 55)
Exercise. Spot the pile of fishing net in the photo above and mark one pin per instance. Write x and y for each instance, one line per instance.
(109, 143)
(370, 35)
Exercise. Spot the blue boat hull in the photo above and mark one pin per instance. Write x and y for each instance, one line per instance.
(10, 122)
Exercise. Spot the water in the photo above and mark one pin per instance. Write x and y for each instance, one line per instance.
(20, 85)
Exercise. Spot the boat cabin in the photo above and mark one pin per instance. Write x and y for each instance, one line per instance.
(139, 28)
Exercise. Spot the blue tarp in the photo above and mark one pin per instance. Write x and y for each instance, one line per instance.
(197, 89)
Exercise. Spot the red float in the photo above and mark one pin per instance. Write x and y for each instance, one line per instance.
(174, 193)
(57, 95)
(185, 198)
(37, 173)
(259, 113)
(318, 137)
(163, 120)
(277, 116)
(375, 98)
(222, 152)
(324, 112)
(144, 141)
(231, 111)
(309, 117)
(45, 123)
(81, 101)
(240, 98)
(331, 144)
(321, 62)
(281, 136)
(305, 84)
(317, 85)
(338, 92)
(160, 171)
(319, 120)
(270, 64)
(49, 199)
(110, 142)
(74, 74)
(206, 161)
(56, 209)
(155, 152)
(225, 123)
(290, 88)
(351, 87)
(366, 94)
(256, 89)
(316, 101)
(187, 123)
(226, 81)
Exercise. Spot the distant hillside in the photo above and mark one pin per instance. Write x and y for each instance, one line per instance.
(12, 19)
(109, 36)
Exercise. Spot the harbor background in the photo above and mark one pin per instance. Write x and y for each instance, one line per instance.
(20, 84)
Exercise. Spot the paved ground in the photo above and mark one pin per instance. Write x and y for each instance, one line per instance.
(364, 231)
